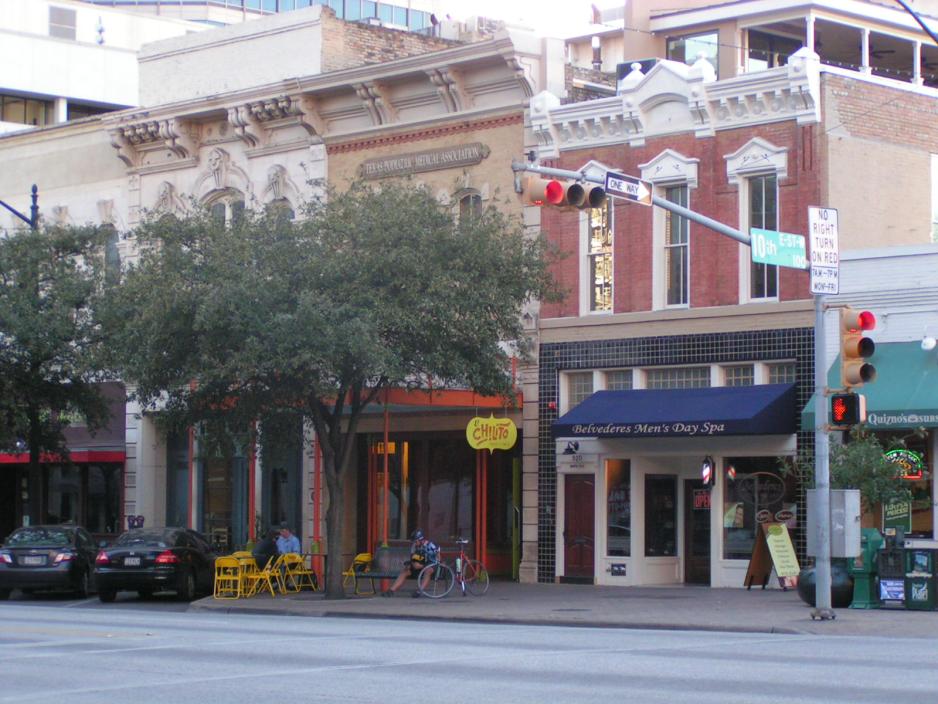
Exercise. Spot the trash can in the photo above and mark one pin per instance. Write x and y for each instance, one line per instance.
(920, 579)
(890, 565)
(864, 571)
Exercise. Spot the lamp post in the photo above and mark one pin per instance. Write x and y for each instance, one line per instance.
(33, 219)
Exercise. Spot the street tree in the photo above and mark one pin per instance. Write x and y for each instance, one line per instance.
(277, 320)
(50, 337)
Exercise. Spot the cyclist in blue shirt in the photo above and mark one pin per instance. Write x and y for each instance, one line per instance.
(423, 552)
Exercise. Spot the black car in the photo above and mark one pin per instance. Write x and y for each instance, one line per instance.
(54, 557)
(148, 560)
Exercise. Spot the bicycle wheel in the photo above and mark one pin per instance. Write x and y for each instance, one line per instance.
(476, 577)
(439, 583)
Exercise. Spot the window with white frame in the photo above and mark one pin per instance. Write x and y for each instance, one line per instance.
(579, 387)
(781, 373)
(227, 206)
(739, 375)
(676, 248)
(763, 213)
(599, 257)
(678, 378)
(619, 380)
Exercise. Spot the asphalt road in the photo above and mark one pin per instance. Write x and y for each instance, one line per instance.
(95, 653)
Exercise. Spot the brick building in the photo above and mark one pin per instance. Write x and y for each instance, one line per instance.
(673, 350)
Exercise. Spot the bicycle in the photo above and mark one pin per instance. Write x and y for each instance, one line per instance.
(470, 573)
(438, 578)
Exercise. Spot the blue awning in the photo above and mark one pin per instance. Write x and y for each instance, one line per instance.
(767, 409)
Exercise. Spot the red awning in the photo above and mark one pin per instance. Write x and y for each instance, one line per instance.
(78, 457)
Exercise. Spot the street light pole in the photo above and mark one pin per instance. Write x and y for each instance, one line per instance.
(33, 219)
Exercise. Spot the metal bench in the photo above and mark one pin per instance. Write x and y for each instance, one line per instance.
(387, 563)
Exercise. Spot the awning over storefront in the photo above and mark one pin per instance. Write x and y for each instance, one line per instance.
(727, 410)
(905, 393)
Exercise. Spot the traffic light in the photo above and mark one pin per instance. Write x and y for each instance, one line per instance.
(543, 191)
(855, 348)
(848, 409)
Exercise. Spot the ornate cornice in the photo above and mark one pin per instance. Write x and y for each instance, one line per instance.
(133, 139)
(255, 122)
(673, 98)
(384, 141)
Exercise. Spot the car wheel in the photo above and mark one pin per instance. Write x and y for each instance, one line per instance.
(84, 585)
(187, 587)
(5, 594)
(107, 597)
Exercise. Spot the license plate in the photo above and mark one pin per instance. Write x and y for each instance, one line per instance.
(131, 562)
(34, 560)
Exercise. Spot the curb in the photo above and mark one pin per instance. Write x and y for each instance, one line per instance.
(232, 610)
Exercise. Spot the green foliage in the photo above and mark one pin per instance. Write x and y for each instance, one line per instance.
(860, 464)
(277, 321)
(50, 287)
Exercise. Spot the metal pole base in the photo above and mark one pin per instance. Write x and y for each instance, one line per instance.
(823, 615)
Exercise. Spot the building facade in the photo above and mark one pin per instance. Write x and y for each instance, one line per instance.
(676, 357)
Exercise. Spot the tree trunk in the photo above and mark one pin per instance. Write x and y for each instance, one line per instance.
(335, 483)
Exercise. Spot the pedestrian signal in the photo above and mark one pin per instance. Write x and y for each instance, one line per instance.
(848, 409)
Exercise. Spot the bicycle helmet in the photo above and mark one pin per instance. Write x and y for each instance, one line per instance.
(418, 535)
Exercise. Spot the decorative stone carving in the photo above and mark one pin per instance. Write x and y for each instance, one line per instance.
(280, 185)
(671, 167)
(133, 139)
(450, 88)
(168, 201)
(221, 174)
(376, 102)
(60, 215)
(256, 122)
(757, 156)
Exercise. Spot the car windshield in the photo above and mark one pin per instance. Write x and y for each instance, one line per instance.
(151, 538)
(40, 537)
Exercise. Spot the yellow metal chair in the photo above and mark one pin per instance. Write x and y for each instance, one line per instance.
(267, 579)
(359, 565)
(227, 578)
(248, 571)
(297, 575)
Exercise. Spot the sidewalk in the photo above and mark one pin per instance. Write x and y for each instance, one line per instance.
(673, 608)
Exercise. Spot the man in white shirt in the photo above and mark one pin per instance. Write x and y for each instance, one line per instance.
(287, 542)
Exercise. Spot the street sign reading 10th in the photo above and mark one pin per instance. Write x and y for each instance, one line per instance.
(778, 248)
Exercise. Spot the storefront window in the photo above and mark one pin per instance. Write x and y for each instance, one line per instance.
(618, 508)
(177, 479)
(660, 515)
(103, 503)
(63, 494)
(910, 452)
(758, 494)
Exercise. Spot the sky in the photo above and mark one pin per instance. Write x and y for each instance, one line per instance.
(551, 17)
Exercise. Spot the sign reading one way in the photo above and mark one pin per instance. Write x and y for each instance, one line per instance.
(628, 187)
(825, 250)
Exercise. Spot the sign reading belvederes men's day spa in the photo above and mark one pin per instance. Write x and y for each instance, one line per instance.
(418, 162)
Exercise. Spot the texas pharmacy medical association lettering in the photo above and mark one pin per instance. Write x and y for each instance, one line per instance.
(430, 160)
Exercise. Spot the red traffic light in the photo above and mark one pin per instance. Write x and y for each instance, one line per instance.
(857, 320)
(855, 348)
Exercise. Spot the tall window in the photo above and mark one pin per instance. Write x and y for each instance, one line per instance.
(618, 508)
(470, 207)
(676, 247)
(686, 49)
(228, 207)
(763, 213)
(579, 387)
(599, 255)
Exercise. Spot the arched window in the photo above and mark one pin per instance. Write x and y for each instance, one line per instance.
(226, 206)
(281, 208)
(470, 205)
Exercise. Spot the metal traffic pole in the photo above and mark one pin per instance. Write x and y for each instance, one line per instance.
(822, 564)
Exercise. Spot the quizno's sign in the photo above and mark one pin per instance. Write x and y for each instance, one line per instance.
(491, 433)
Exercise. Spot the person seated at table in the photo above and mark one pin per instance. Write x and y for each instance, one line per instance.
(287, 542)
(266, 549)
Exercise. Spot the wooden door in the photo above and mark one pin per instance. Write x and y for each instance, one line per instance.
(696, 532)
(578, 534)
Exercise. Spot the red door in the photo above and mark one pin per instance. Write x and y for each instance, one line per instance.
(578, 528)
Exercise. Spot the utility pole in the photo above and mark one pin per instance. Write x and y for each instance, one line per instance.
(33, 219)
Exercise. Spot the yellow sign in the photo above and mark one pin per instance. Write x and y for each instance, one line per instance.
(491, 433)
(780, 547)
